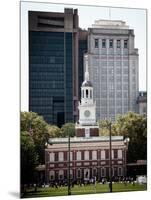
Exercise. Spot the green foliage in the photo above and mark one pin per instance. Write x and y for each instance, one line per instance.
(53, 131)
(34, 134)
(104, 128)
(68, 129)
(130, 125)
(134, 126)
(37, 128)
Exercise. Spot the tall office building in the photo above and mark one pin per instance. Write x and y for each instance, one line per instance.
(113, 68)
(53, 65)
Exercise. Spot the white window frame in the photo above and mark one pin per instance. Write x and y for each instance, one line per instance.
(102, 154)
(51, 173)
(51, 157)
(112, 153)
(79, 156)
(61, 156)
(94, 155)
(71, 155)
(119, 154)
(86, 155)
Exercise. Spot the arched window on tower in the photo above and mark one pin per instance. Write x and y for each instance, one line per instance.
(86, 93)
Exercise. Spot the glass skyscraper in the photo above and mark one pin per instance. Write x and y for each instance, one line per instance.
(53, 67)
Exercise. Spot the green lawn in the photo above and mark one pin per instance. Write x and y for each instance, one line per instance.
(87, 189)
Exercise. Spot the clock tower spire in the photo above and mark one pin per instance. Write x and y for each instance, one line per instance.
(87, 106)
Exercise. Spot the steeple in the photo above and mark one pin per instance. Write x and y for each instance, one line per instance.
(86, 68)
(87, 125)
(86, 82)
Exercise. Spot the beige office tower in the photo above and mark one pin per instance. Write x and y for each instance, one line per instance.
(113, 68)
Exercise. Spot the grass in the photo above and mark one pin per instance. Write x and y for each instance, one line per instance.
(78, 190)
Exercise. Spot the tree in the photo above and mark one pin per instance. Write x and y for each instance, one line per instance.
(36, 126)
(68, 129)
(130, 125)
(29, 158)
(134, 126)
(104, 128)
(53, 131)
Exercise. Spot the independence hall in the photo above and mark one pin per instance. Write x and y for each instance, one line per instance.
(87, 155)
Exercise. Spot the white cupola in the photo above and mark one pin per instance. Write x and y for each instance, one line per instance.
(87, 106)
(86, 88)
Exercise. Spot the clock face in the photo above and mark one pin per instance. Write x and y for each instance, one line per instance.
(87, 113)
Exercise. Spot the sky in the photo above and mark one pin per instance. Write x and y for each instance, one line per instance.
(135, 18)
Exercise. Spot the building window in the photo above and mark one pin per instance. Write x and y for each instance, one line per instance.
(103, 172)
(86, 173)
(86, 155)
(51, 175)
(120, 171)
(125, 44)
(56, 156)
(120, 154)
(79, 173)
(60, 174)
(71, 155)
(96, 43)
(118, 44)
(112, 154)
(103, 43)
(115, 153)
(51, 157)
(78, 155)
(60, 156)
(94, 172)
(71, 173)
(94, 155)
(110, 43)
(102, 155)
(113, 171)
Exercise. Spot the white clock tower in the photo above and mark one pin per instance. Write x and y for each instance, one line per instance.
(87, 107)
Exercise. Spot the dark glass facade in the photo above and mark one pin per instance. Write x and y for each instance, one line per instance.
(51, 75)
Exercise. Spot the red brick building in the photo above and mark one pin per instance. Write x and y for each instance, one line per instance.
(88, 157)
